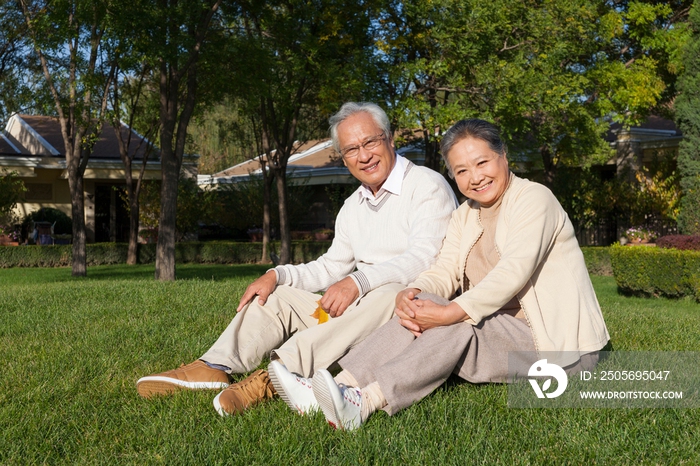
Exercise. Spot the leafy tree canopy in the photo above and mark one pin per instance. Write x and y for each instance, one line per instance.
(688, 117)
(553, 74)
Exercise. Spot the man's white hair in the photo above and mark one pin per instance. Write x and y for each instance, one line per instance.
(350, 108)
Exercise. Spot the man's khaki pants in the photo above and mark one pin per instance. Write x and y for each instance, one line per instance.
(284, 324)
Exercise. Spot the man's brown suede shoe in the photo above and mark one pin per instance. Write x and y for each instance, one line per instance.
(242, 395)
(193, 376)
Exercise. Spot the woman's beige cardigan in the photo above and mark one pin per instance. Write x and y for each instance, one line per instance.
(540, 263)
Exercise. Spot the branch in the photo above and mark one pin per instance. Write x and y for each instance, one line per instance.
(677, 16)
(187, 110)
(507, 47)
(146, 153)
(42, 59)
(199, 38)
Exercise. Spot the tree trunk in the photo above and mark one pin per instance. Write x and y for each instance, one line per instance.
(132, 195)
(432, 155)
(165, 247)
(79, 260)
(132, 252)
(285, 236)
(267, 188)
(268, 179)
(176, 108)
(549, 166)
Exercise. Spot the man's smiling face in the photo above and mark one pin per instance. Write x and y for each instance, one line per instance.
(371, 166)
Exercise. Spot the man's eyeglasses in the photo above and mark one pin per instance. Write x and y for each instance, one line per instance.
(369, 144)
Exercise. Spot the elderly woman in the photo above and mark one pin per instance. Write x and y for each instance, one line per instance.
(517, 279)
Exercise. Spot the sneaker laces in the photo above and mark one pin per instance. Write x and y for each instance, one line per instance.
(352, 395)
(303, 380)
(250, 388)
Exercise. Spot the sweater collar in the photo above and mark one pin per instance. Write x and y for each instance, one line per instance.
(392, 184)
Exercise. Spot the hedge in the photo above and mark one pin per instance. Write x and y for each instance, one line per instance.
(213, 252)
(209, 252)
(597, 260)
(653, 271)
(686, 242)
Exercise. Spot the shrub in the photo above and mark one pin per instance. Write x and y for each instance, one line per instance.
(655, 271)
(11, 232)
(640, 234)
(106, 253)
(597, 260)
(688, 120)
(684, 242)
(11, 189)
(63, 226)
(193, 206)
(210, 252)
(215, 252)
(35, 256)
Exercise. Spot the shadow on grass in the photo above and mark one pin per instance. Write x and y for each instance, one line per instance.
(215, 272)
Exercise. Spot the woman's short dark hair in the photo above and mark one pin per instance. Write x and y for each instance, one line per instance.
(472, 128)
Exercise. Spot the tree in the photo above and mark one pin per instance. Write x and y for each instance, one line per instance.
(12, 60)
(569, 71)
(22, 88)
(688, 118)
(552, 74)
(11, 190)
(127, 100)
(68, 38)
(299, 60)
(172, 36)
(412, 73)
(228, 134)
(262, 143)
(194, 206)
(222, 136)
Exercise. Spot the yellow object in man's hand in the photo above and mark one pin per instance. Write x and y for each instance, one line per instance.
(320, 314)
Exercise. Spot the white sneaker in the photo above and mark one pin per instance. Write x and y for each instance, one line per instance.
(295, 390)
(340, 404)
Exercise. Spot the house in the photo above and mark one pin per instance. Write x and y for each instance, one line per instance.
(314, 164)
(638, 146)
(654, 140)
(33, 147)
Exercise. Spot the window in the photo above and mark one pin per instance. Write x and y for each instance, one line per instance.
(38, 192)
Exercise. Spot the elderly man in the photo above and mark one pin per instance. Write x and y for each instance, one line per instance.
(387, 232)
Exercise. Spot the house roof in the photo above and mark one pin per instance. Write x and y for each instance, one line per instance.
(654, 125)
(36, 135)
(315, 161)
(311, 154)
(8, 145)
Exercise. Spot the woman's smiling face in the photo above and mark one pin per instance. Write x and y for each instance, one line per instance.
(480, 173)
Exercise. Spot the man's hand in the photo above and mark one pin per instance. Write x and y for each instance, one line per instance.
(418, 315)
(339, 296)
(262, 287)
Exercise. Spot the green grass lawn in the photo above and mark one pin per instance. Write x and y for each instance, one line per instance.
(72, 350)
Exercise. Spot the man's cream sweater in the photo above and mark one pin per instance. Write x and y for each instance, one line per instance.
(389, 240)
